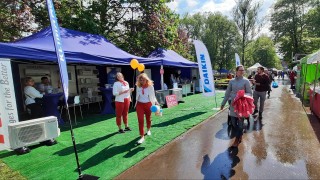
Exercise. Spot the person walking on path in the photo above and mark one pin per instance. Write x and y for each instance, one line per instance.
(292, 77)
(122, 91)
(145, 98)
(269, 74)
(261, 82)
(236, 84)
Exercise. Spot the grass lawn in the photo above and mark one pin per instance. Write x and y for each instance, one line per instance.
(102, 151)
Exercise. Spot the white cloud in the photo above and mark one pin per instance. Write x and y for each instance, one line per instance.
(173, 5)
(192, 3)
(224, 7)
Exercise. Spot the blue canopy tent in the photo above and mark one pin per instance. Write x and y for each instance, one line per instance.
(171, 58)
(223, 71)
(79, 47)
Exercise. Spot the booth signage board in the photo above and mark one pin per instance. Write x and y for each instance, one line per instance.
(171, 100)
(8, 106)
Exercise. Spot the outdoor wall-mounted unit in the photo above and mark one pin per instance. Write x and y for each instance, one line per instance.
(33, 131)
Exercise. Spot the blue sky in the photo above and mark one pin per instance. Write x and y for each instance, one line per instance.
(224, 6)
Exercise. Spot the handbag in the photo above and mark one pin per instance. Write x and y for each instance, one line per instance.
(275, 84)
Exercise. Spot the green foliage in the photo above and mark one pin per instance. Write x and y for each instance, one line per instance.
(245, 15)
(219, 34)
(263, 51)
(137, 26)
(289, 25)
(15, 18)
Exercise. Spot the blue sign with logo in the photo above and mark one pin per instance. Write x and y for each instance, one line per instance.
(59, 50)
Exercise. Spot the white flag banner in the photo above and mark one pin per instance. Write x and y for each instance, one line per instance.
(205, 68)
(237, 60)
(8, 106)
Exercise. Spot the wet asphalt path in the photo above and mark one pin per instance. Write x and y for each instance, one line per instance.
(283, 145)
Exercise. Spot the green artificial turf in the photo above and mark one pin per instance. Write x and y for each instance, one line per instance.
(102, 151)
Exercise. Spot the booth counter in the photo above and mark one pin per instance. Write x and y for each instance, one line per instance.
(161, 94)
(186, 88)
(315, 100)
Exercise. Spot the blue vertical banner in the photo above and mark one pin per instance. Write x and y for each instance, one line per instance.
(237, 60)
(59, 50)
(205, 68)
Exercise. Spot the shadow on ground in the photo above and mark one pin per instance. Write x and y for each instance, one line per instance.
(178, 119)
(222, 166)
(131, 148)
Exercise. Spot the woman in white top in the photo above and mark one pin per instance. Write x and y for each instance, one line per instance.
(122, 91)
(145, 98)
(31, 94)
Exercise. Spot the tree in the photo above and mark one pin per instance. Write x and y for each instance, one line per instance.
(137, 26)
(245, 14)
(311, 35)
(96, 17)
(263, 51)
(16, 20)
(155, 26)
(288, 24)
(219, 34)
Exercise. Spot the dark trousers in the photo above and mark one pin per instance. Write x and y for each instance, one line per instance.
(36, 110)
(237, 123)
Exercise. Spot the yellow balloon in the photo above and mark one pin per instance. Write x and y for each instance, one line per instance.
(134, 63)
(140, 67)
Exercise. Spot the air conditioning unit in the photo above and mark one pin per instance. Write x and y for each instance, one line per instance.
(37, 72)
(33, 131)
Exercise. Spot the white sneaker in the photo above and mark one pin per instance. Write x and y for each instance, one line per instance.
(141, 140)
(149, 133)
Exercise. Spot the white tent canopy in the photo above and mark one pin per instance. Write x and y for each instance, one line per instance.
(314, 58)
(254, 67)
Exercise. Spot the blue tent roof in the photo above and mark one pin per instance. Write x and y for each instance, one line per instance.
(79, 47)
(223, 71)
(171, 58)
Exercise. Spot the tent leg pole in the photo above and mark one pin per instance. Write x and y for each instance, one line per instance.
(314, 87)
(161, 77)
(304, 83)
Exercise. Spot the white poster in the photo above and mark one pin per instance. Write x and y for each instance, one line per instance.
(8, 106)
(237, 60)
(205, 68)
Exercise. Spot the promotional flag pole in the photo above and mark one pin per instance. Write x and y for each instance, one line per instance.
(205, 70)
(64, 76)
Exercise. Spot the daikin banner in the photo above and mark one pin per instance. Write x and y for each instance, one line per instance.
(8, 105)
(205, 68)
(59, 50)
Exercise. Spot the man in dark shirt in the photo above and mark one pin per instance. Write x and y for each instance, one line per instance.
(261, 82)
